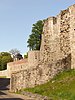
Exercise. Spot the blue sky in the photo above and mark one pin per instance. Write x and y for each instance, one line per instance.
(17, 17)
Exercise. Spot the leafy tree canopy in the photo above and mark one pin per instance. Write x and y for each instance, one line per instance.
(5, 57)
(26, 55)
(34, 40)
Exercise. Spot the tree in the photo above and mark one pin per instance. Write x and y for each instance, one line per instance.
(14, 52)
(4, 54)
(5, 57)
(5, 60)
(34, 40)
(26, 55)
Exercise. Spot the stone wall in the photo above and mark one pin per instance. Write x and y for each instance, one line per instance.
(3, 73)
(16, 66)
(29, 78)
(56, 53)
(72, 35)
(31, 62)
(33, 58)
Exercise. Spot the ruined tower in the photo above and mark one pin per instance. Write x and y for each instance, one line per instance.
(58, 40)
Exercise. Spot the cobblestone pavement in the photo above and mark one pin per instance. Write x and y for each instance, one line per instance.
(5, 95)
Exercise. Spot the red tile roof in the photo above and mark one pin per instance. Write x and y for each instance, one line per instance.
(22, 61)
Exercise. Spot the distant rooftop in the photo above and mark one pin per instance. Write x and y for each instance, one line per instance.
(22, 61)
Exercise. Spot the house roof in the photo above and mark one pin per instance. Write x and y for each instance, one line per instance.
(22, 61)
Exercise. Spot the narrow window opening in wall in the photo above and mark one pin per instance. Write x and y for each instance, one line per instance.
(35, 56)
(54, 20)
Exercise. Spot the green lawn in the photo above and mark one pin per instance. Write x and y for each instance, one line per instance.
(62, 87)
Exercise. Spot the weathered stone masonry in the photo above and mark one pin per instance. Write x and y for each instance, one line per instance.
(57, 52)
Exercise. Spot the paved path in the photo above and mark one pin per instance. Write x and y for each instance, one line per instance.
(6, 95)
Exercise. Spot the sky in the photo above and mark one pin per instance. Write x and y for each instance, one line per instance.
(18, 16)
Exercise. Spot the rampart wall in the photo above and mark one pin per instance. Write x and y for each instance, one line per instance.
(57, 52)
(3, 73)
(23, 64)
